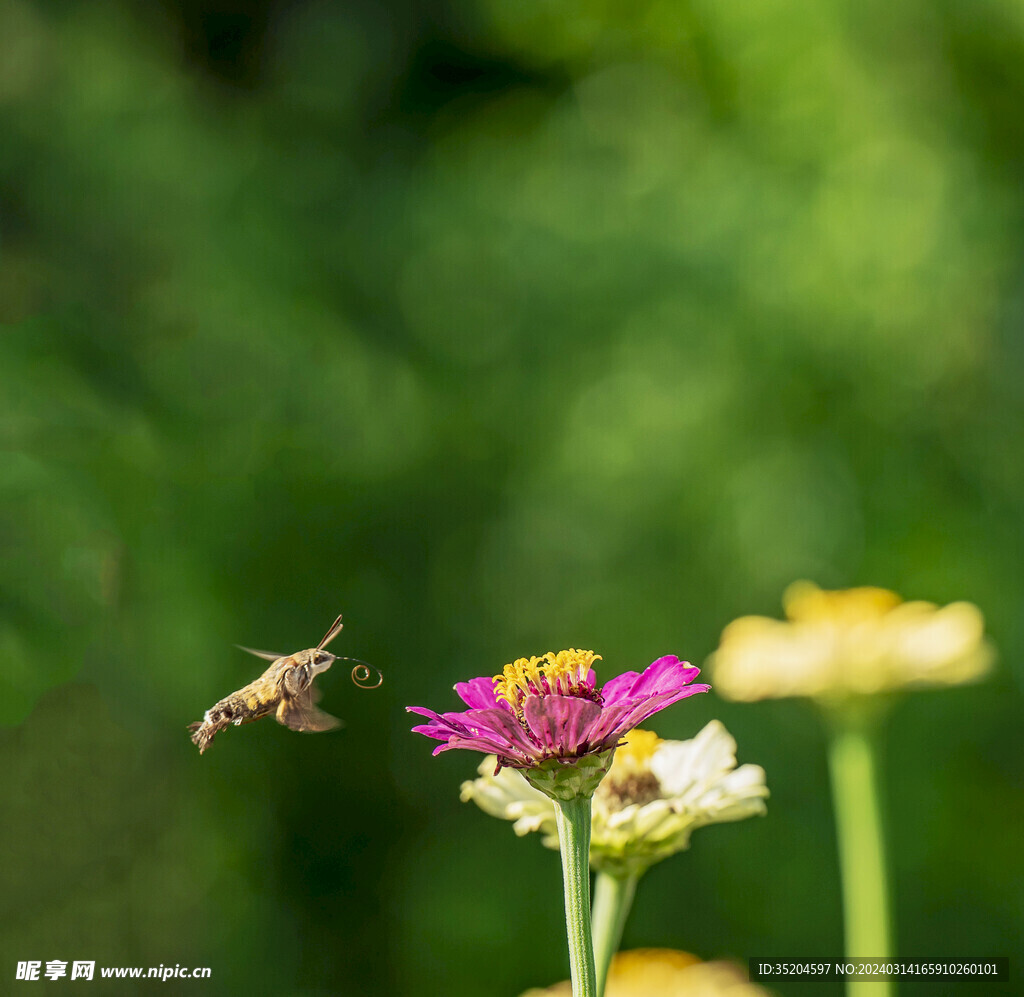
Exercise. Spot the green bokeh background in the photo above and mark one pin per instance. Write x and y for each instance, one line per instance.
(500, 327)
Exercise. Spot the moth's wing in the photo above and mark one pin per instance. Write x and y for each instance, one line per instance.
(265, 655)
(300, 713)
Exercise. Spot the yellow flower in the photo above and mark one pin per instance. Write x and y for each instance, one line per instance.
(855, 641)
(666, 973)
(653, 798)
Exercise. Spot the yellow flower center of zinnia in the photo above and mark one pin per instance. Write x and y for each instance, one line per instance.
(561, 674)
(636, 748)
(630, 779)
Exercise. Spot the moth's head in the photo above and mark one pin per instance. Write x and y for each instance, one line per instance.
(320, 661)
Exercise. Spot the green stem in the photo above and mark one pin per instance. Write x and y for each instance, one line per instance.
(573, 820)
(861, 850)
(613, 898)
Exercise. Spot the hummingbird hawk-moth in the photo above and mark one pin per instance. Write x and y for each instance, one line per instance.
(284, 689)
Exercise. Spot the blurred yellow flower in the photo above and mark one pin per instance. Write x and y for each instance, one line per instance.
(862, 640)
(653, 798)
(666, 973)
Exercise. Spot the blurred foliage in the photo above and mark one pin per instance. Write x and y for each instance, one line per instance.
(499, 328)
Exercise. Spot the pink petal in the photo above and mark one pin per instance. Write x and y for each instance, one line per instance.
(447, 721)
(624, 717)
(605, 733)
(560, 723)
(636, 712)
(664, 675)
(502, 723)
(489, 746)
(477, 693)
(489, 730)
(435, 731)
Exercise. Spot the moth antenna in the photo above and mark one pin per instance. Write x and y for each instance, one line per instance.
(331, 633)
(362, 672)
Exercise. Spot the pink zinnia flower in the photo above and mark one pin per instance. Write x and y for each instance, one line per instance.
(549, 707)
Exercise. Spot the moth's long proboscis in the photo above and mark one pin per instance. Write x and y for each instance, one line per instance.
(362, 671)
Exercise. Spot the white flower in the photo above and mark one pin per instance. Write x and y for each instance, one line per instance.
(509, 796)
(855, 641)
(653, 798)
